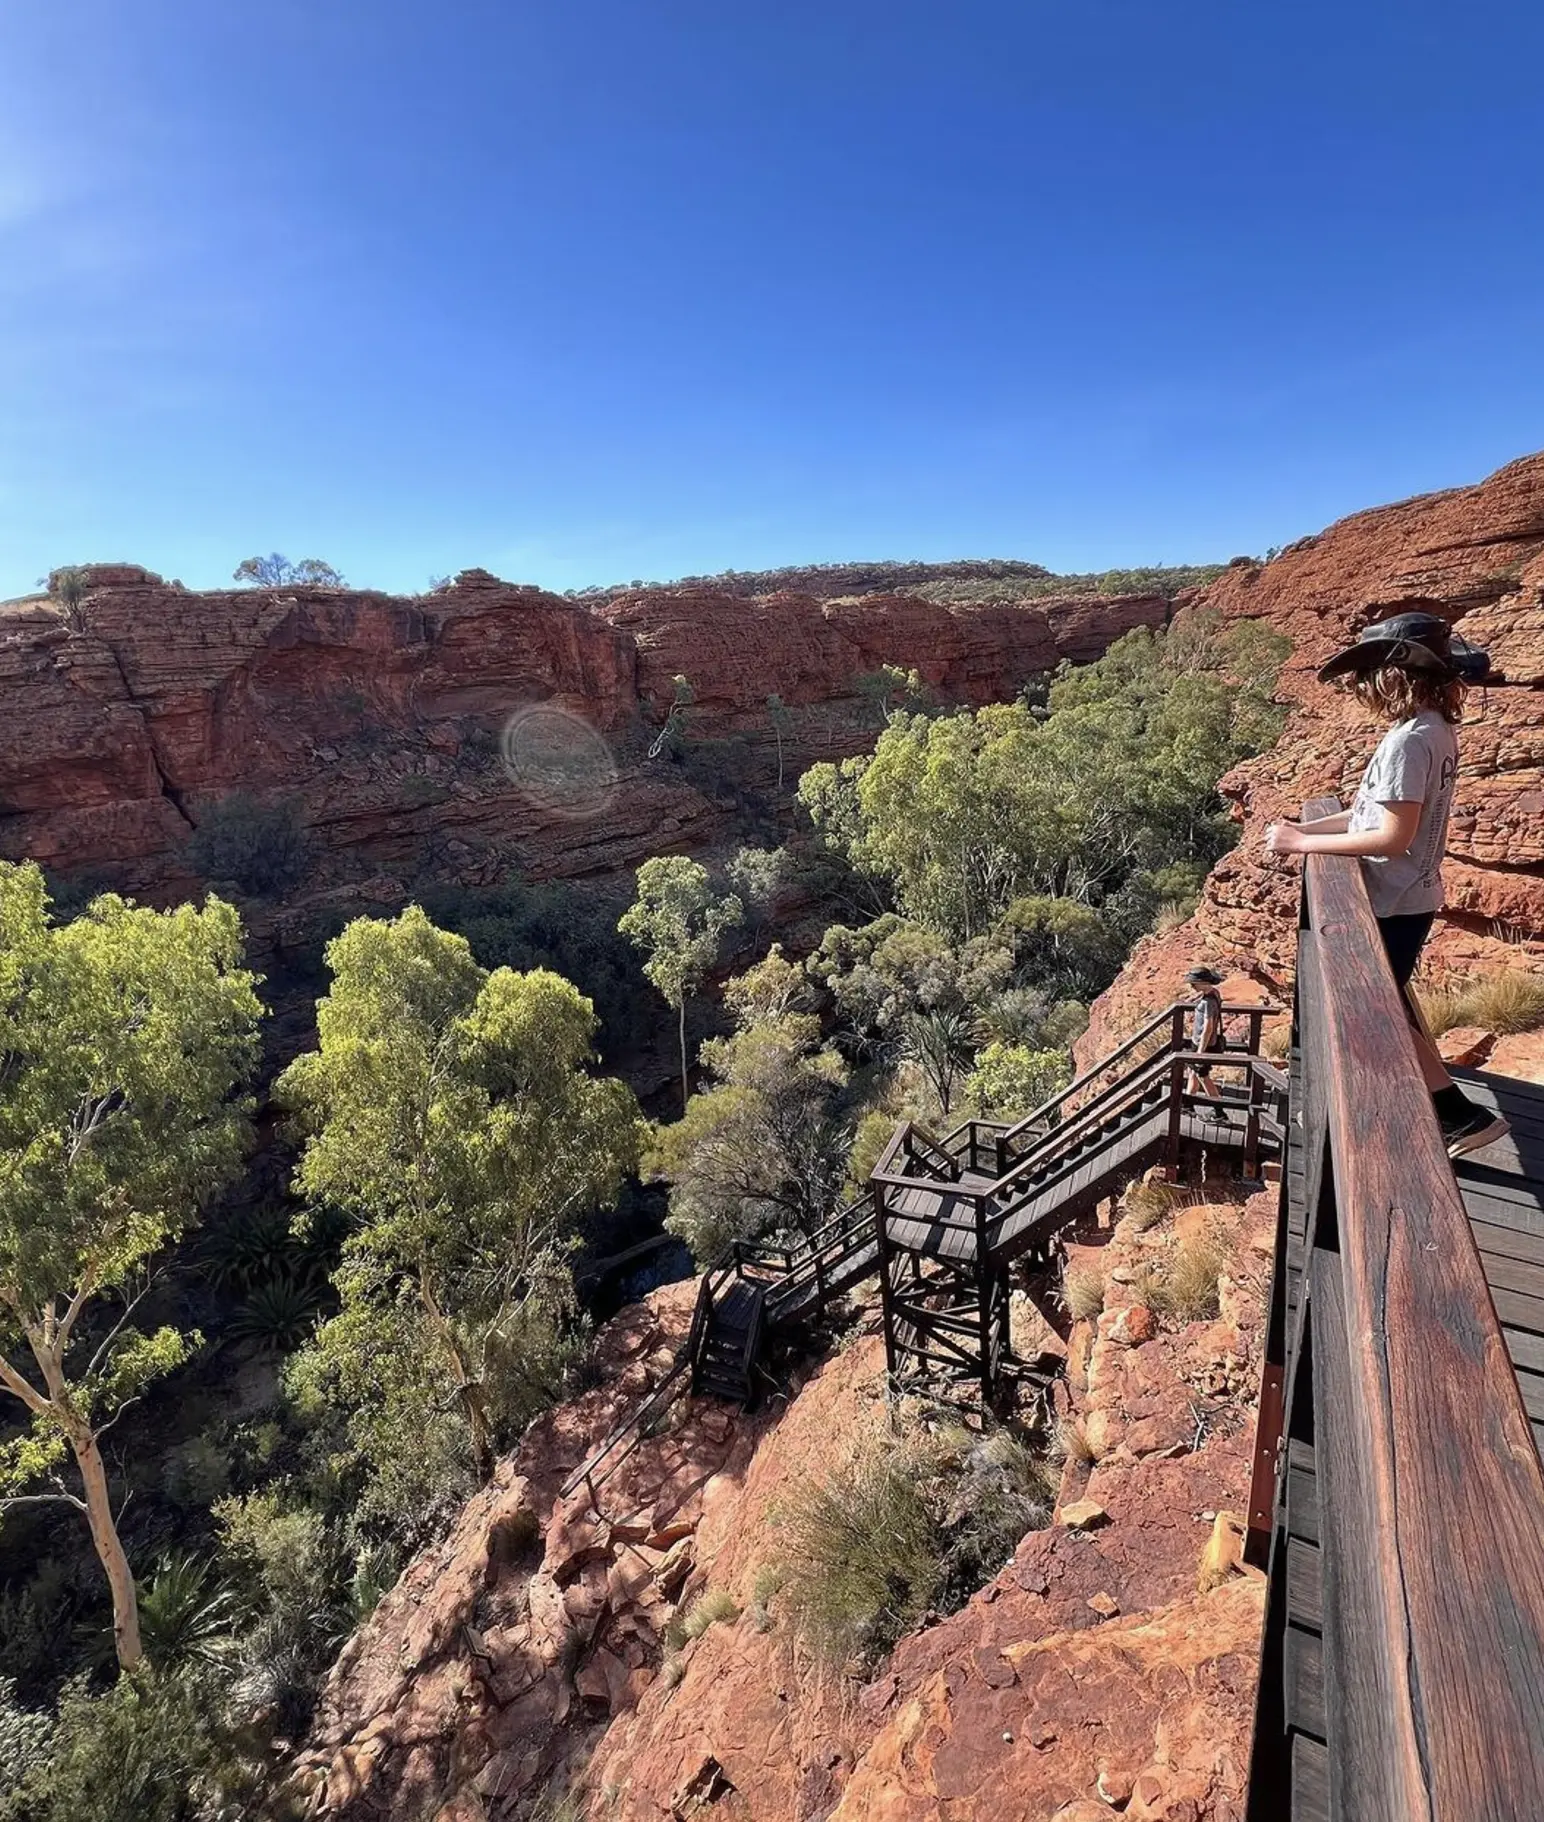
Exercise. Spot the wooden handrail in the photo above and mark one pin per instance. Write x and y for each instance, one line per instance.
(1105, 1064)
(1431, 1492)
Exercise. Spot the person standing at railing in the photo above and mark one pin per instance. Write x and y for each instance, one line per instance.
(1205, 1031)
(1411, 671)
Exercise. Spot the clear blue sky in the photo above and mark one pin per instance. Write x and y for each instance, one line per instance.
(593, 289)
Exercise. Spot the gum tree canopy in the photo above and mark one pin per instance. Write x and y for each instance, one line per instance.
(452, 1114)
(125, 1040)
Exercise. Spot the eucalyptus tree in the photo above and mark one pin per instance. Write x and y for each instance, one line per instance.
(126, 1039)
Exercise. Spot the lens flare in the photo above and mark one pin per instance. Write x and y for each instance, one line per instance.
(558, 762)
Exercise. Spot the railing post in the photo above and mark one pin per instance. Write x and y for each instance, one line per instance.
(1252, 1126)
(1176, 1114)
(984, 1298)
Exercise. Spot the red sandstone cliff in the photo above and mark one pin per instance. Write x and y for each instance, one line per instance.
(379, 718)
(1478, 552)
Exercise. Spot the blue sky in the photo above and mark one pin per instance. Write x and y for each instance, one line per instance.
(615, 288)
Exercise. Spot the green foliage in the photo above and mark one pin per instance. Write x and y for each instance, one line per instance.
(988, 1498)
(69, 586)
(125, 1040)
(1009, 1082)
(450, 1113)
(556, 925)
(968, 812)
(151, 1748)
(291, 1582)
(891, 972)
(281, 1314)
(678, 921)
(184, 1617)
(902, 1528)
(252, 847)
(274, 571)
(765, 1145)
(25, 1739)
(862, 1555)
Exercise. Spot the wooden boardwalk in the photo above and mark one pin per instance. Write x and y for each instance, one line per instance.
(1398, 1501)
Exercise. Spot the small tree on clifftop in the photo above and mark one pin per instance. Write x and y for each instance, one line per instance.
(125, 1037)
(274, 571)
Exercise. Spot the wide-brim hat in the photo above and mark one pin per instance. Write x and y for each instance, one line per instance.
(1208, 977)
(1410, 642)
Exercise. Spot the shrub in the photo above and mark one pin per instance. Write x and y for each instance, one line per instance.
(149, 1749)
(1009, 1081)
(1146, 1204)
(862, 1555)
(1512, 1000)
(1186, 1288)
(1003, 1492)
(717, 1604)
(184, 1618)
(25, 1736)
(257, 848)
(280, 1315)
(196, 1474)
(1083, 1292)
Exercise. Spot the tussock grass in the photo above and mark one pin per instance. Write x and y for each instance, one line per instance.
(1070, 1443)
(1508, 1001)
(1185, 1287)
(862, 1557)
(1276, 1044)
(1146, 1204)
(1083, 1292)
(716, 1605)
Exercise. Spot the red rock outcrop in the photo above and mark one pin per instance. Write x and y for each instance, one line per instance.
(1478, 552)
(1110, 1663)
(380, 718)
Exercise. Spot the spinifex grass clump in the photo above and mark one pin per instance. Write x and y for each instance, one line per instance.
(902, 1529)
(1506, 1002)
(862, 1554)
(1185, 1287)
(1083, 1292)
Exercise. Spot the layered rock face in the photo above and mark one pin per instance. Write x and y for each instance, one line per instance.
(1478, 554)
(380, 719)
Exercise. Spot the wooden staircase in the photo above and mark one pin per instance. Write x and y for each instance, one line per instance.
(942, 1219)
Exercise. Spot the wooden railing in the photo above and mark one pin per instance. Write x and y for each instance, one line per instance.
(1028, 1153)
(1430, 1498)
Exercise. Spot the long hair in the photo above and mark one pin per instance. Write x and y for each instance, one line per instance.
(1397, 694)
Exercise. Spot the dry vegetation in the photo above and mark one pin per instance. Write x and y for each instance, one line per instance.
(1083, 1292)
(1509, 1001)
(1184, 1287)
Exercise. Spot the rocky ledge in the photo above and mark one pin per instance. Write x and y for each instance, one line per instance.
(1110, 1665)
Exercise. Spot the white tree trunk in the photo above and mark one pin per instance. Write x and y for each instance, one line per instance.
(109, 1547)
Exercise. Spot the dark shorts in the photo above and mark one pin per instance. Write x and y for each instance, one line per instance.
(1403, 939)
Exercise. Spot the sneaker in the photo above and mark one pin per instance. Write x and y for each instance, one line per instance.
(1477, 1129)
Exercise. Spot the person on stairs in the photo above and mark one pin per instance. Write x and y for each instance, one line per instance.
(1205, 1032)
(1411, 671)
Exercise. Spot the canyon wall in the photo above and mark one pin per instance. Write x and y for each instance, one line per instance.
(380, 718)
(1476, 554)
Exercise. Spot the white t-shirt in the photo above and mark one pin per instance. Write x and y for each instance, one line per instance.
(1416, 762)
